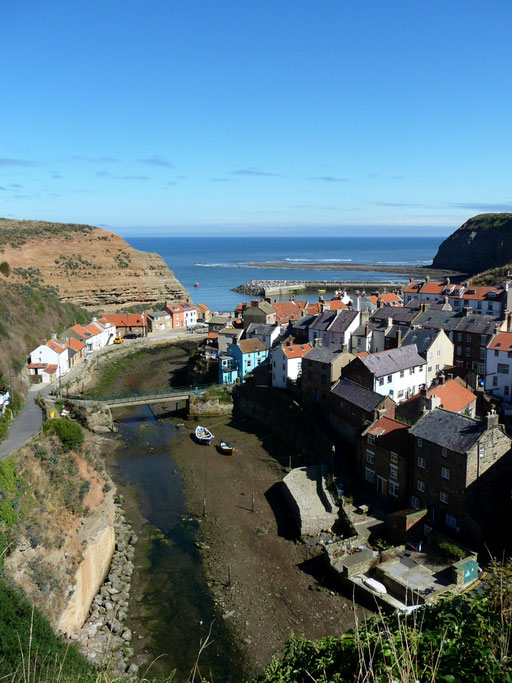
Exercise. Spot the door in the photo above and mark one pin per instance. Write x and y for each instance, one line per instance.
(382, 485)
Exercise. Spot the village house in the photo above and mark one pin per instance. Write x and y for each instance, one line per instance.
(353, 407)
(158, 321)
(434, 346)
(241, 359)
(50, 359)
(287, 311)
(334, 328)
(452, 395)
(226, 336)
(259, 312)
(498, 367)
(182, 313)
(287, 363)
(217, 322)
(458, 468)
(397, 373)
(383, 458)
(268, 334)
(125, 323)
(321, 368)
(384, 299)
(76, 350)
(492, 301)
(203, 313)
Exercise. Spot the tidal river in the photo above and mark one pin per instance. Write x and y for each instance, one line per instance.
(171, 611)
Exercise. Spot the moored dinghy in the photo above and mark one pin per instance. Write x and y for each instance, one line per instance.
(226, 448)
(203, 435)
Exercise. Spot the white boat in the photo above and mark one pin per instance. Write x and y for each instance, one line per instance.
(203, 435)
(226, 448)
(374, 585)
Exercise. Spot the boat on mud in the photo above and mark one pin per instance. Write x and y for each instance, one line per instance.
(203, 435)
(226, 448)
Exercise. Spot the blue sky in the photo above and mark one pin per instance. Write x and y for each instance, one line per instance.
(228, 115)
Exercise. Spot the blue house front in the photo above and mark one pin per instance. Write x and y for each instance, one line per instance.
(246, 355)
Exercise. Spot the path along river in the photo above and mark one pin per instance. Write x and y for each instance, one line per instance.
(171, 610)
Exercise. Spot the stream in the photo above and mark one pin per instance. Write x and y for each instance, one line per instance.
(171, 610)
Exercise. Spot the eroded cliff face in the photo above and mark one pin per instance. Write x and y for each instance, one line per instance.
(483, 242)
(88, 266)
(67, 528)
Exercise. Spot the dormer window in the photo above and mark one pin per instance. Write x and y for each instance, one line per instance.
(371, 438)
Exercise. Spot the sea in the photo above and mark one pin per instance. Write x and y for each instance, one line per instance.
(217, 264)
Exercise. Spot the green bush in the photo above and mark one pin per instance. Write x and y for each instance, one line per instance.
(70, 433)
(453, 551)
(5, 268)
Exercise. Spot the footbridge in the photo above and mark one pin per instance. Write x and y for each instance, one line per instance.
(175, 394)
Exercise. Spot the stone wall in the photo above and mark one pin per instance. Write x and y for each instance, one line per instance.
(97, 535)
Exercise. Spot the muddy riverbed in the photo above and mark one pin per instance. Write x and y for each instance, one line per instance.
(209, 562)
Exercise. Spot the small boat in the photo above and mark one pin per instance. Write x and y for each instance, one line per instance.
(226, 448)
(322, 291)
(203, 435)
(196, 284)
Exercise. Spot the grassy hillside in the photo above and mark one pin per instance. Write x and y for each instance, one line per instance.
(16, 233)
(30, 313)
(492, 276)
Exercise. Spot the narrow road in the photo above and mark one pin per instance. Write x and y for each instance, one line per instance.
(29, 421)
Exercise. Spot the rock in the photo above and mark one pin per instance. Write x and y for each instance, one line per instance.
(126, 634)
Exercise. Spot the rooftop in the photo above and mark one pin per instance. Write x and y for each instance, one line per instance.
(393, 360)
(449, 430)
(357, 395)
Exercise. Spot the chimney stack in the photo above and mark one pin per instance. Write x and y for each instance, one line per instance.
(492, 419)
(399, 337)
(427, 279)
(380, 303)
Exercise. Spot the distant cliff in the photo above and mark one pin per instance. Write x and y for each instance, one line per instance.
(87, 266)
(483, 242)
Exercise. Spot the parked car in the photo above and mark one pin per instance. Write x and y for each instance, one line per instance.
(118, 340)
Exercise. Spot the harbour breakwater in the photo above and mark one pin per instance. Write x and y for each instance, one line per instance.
(280, 288)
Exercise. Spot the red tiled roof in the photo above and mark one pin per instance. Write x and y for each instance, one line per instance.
(454, 397)
(56, 345)
(50, 369)
(362, 354)
(79, 329)
(37, 366)
(288, 310)
(125, 319)
(502, 342)
(203, 307)
(386, 297)
(75, 344)
(296, 351)
(212, 335)
(481, 293)
(390, 434)
(433, 288)
(337, 305)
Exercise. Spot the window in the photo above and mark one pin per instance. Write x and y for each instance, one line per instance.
(390, 377)
(458, 350)
(494, 381)
(468, 351)
(503, 368)
(445, 472)
(370, 438)
(483, 340)
(496, 352)
(444, 452)
(509, 354)
(393, 488)
(381, 381)
(394, 457)
(429, 369)
(411, 371)
(451, 521)
(420, 443)
(438, 352)
(370, 474)
(422, 463)
(443, 497)
(430, 355)
(437, 367)
(459, 336)
(393, 471)
(468, 338)
(481, 451)
(420, 485)
(370, 456)
(400, 393)
(401, 373)
(415, 502)
(506, 388)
